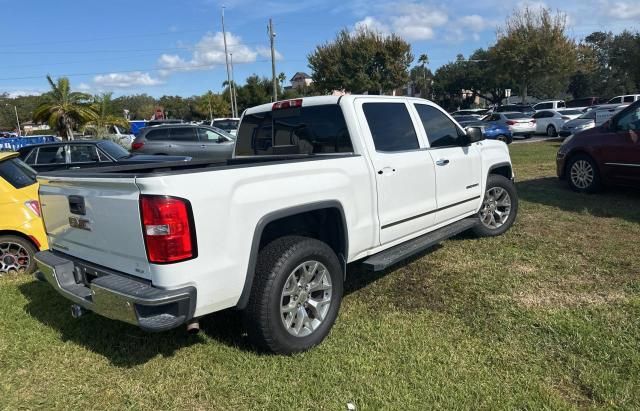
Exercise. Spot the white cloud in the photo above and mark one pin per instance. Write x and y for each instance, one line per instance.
(417, 21)
(623, 10)
(23, 93)
(209, 52)
(373, 24)
(125, 80)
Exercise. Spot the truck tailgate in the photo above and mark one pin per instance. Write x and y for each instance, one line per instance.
(97, 220)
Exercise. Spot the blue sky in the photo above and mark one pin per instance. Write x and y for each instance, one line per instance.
(175, 47)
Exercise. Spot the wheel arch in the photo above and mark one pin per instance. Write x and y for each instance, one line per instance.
(22, 235)
(572, 154)
(293, 220)
(504, 169)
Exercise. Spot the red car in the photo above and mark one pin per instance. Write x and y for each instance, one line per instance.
(604, 155)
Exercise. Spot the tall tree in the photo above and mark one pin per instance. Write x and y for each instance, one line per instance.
(364, 61)
(64, 109)
(105, 116)
(534, 49)
(211, 105)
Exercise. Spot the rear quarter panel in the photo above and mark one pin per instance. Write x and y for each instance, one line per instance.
(228, 204)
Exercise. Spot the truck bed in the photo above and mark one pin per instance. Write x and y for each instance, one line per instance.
(182, 167)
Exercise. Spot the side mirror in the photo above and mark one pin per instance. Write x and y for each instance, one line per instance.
(474, 134)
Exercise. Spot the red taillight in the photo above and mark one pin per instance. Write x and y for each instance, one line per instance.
(34, 206)
(167, 228)
(287, 104)
(510, 122)
(137, 146)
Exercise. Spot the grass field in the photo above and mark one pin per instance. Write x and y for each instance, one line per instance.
(546, 316)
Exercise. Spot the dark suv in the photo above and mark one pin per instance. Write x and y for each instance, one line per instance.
(198, 142)
(608, 154)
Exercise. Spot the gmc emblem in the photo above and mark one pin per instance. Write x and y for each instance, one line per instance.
(81, 223)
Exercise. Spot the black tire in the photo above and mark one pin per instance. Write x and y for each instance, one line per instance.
(551, 131)
(497, 181)
(583, 185)
(503, 138)
(276, 262)
(526, 136)
(9, 250)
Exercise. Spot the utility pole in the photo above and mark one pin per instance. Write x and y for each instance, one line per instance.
(233, 90)
(226, 58)
(17, 119)
(272, 36)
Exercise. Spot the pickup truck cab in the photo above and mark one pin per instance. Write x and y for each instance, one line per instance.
(314, 184)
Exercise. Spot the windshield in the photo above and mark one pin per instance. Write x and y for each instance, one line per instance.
(591, 115)
(114, 150)
(515, 115)
(226, 125)
(570, 112)
(17, 173)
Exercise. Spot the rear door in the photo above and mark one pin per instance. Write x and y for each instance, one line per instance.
(96, 219)
(458, 165)
(404, 171)
(184, 142)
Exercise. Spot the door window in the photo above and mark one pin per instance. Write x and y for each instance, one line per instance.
(183, 134)
(628, 99)
(615, 100)
(210, 136)
(561, 104)
(83, 154)
(441, 131)
(158, 134)
(630, 120)
(31, 157)
(391, 126)
(51, 155)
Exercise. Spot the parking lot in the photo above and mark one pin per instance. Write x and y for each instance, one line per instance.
(545, 316)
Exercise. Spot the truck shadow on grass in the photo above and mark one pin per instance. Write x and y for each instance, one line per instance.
(122, 344)
(614, 202)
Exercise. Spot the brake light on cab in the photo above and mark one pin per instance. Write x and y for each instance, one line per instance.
(168, 229)
(279, 105)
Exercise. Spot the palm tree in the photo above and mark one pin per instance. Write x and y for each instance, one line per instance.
(64, 109)
(282, 78)
(103, 117)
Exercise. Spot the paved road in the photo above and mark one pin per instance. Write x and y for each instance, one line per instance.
(534, 139)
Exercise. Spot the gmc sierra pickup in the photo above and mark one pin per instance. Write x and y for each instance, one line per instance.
(314, 184)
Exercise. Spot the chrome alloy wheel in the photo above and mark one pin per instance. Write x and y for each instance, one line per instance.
(13, 257)
(496, 208)
(582, 174)
(306, 298)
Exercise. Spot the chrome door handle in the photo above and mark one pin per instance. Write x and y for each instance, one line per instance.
(203, 146)
(387, 171)
(442, 162)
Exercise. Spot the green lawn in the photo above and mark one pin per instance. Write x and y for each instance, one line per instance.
(546, 316)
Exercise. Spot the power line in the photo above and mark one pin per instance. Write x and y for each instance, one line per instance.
(155, 69)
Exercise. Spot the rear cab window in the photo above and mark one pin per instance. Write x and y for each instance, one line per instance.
(15, 172)
(317, 129)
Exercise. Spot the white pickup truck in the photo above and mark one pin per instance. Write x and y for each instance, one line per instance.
(315, 184)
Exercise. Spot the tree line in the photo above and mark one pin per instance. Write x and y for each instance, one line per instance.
(533, 56)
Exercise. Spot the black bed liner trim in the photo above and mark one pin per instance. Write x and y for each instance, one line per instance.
(186, 167)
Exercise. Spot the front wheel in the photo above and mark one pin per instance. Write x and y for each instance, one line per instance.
(551, 131)
(583, 174)
(499, 207)
(503, 138)
(296, 295)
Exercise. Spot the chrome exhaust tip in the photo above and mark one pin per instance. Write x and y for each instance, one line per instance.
(193, 326)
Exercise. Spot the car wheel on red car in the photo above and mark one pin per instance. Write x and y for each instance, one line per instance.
(583, 174)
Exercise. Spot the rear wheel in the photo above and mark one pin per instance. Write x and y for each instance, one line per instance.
(499, 207)
(551, 131)
(503, 138)
(296, 295)
(583, 174)
(16, 255)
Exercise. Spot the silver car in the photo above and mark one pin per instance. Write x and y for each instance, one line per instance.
(520, 124)
(198, 142)
(584, 122)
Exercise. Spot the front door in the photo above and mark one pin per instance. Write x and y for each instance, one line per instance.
(621, 154)
(404, 171)
(458, 166)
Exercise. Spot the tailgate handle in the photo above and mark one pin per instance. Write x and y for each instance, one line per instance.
(76, 205)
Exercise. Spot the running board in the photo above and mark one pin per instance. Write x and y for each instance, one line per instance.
(385, 259)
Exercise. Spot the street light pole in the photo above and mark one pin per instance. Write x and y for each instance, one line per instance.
(272, 36)
(226, 57)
